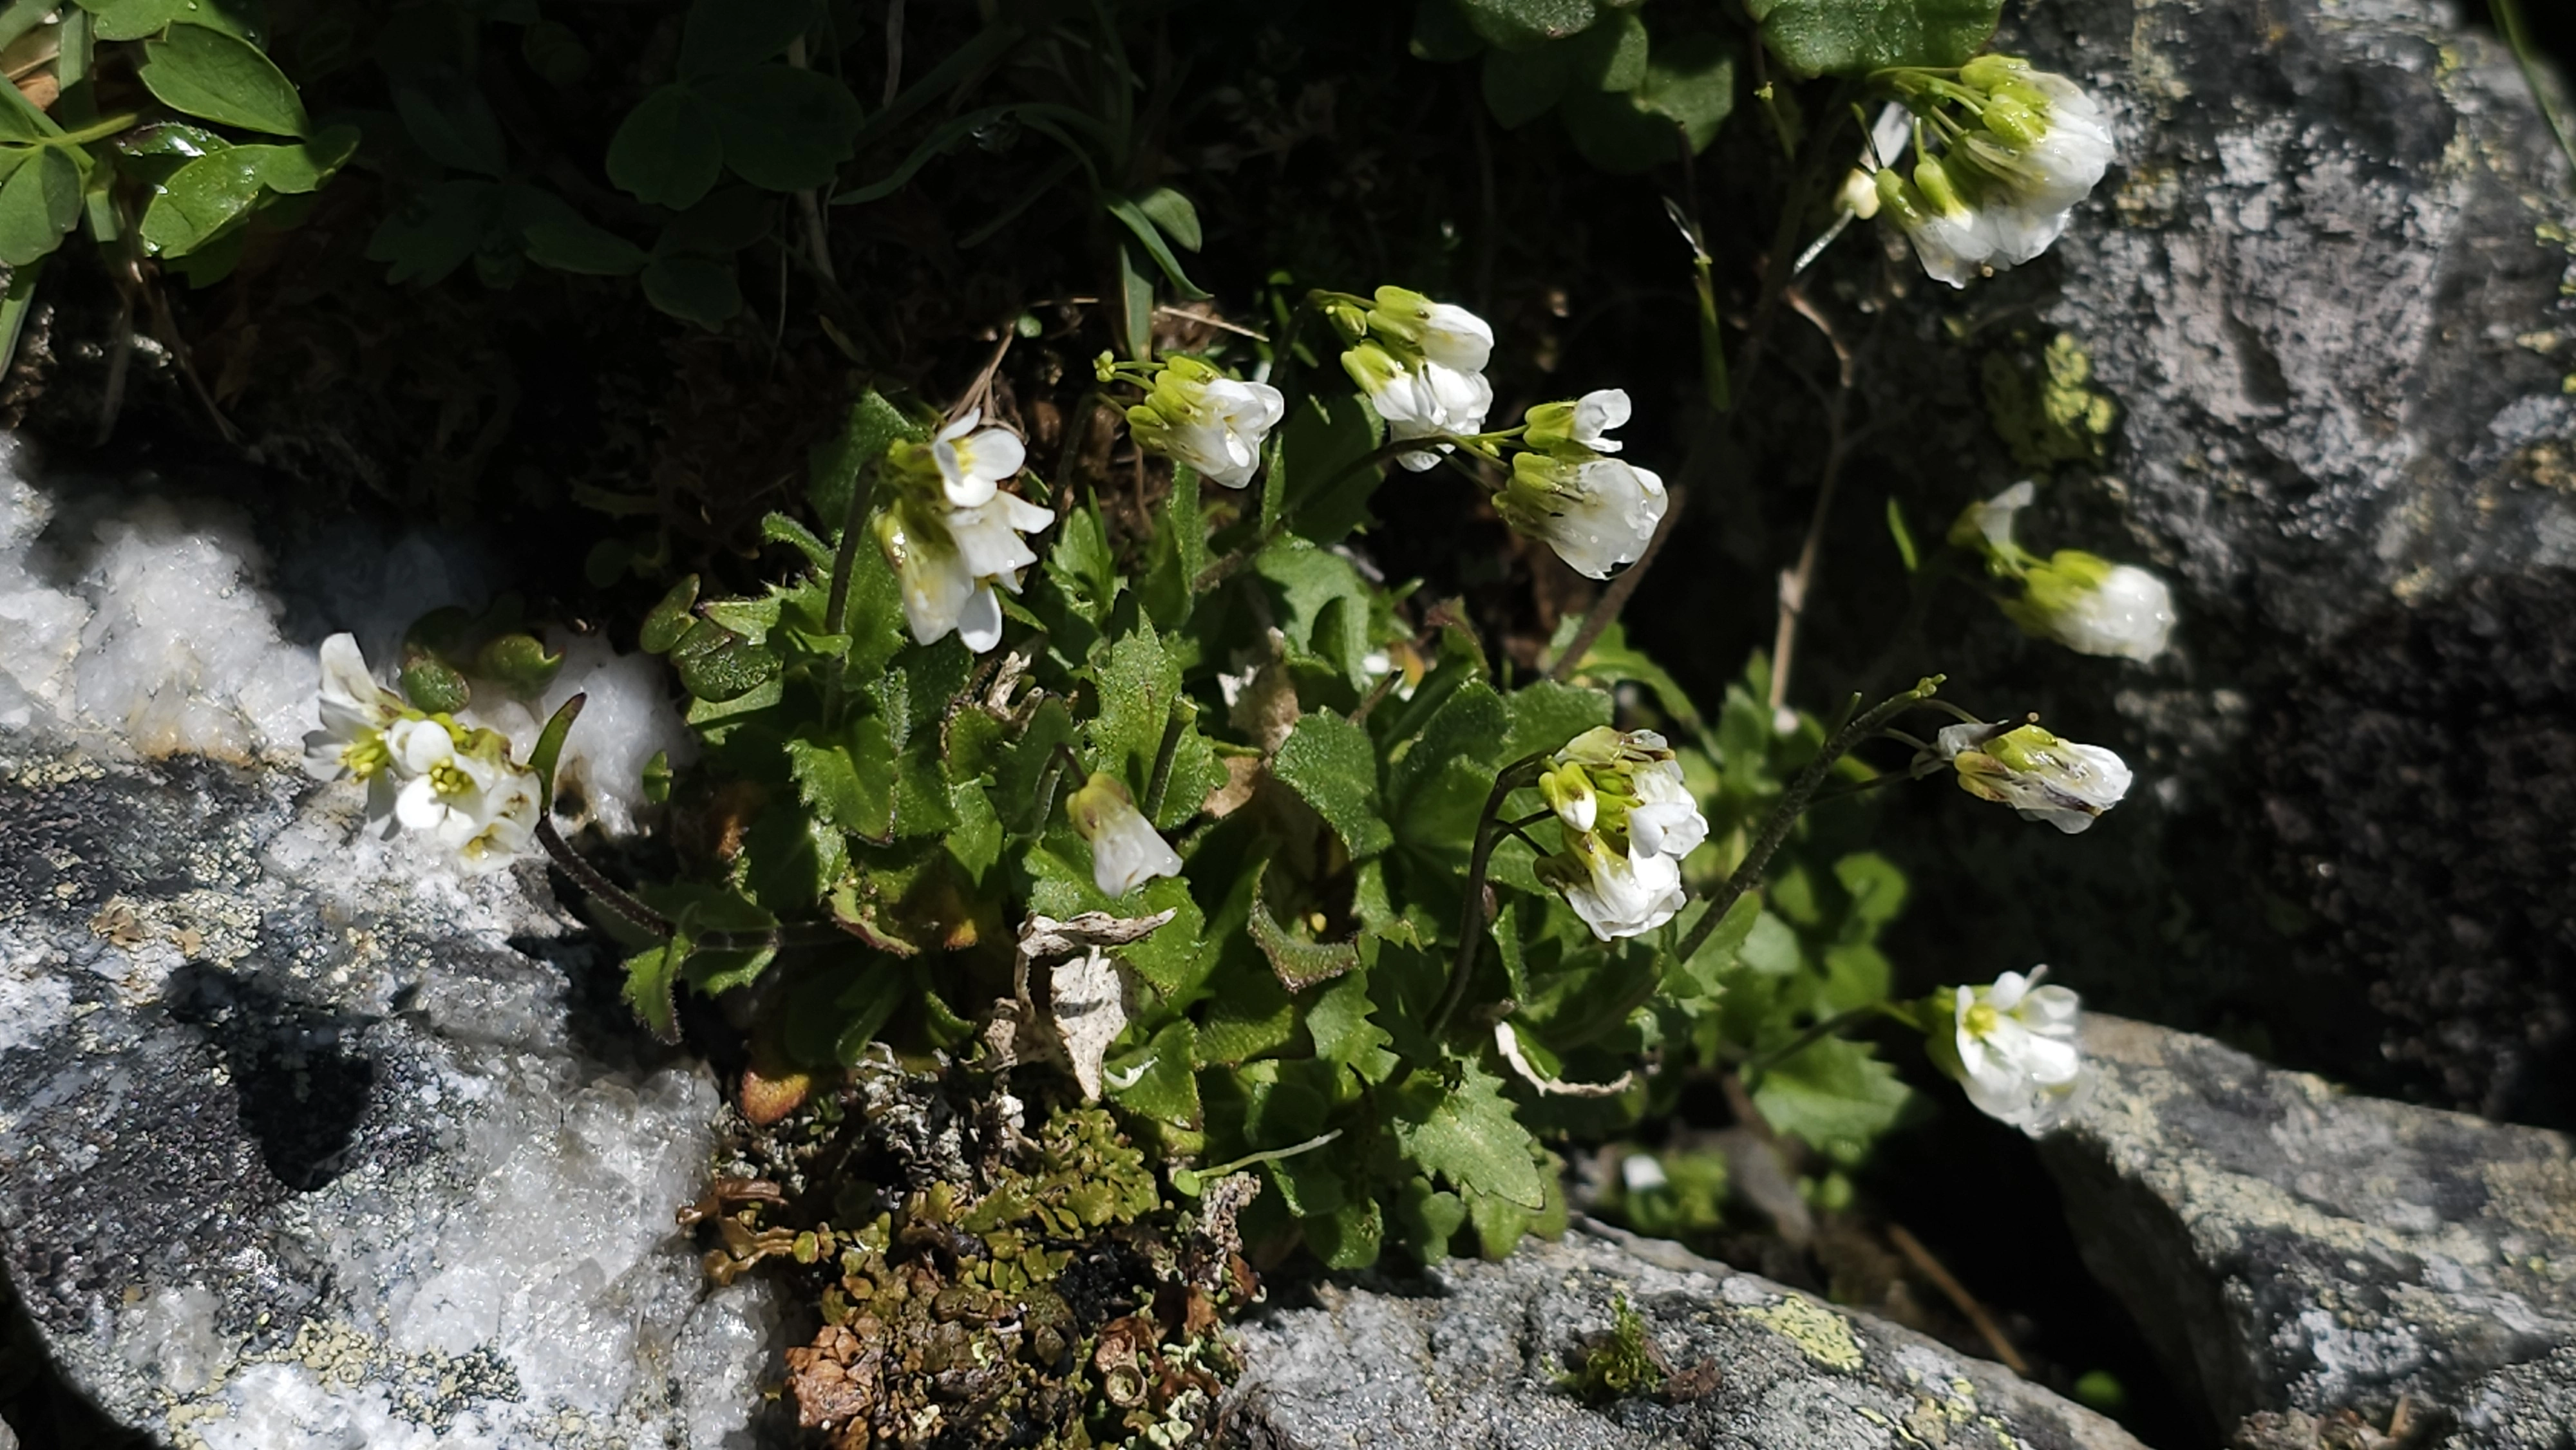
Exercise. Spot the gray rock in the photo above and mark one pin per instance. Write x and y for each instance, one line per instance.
(2287, 1247)
(1469, 1356)
(301, 1146)
(2326, 285)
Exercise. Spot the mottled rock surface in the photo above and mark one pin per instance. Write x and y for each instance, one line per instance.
(300, 1145)
(2288, 1247)
(1469, 1357)
(2321, 300)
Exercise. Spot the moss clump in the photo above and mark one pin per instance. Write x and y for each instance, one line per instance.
(2045, 407)
(1618, 1362)
(1059, 1299)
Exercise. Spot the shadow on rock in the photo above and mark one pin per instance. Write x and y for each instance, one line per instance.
(300, 1082)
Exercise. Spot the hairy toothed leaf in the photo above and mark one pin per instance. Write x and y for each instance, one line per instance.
(1332, 764)
(1855, 37)
(1467, 1134)
(1835, 1096)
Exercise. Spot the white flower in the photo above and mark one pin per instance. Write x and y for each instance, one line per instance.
(449, 793)
(1993, 519)
(355, 713)
(1197, 416)
(510, 824)
(1616, 895)
(973, 464)
(1578, 430)
(1126, 851)
(2040, 776)
(2016, 1043)
(1425, 400)
(1666, 817)
(2096, 608)
(1453, 337)
(947, 560)
(2034, 146)
(1596, 515)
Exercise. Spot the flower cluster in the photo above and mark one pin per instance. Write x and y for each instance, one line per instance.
(424, 772)
(1596, 512)
(1421, 364)
(2018, 148)
(952, 534)
(2040, 776)
(1126, 850)
(2082, 601)
(1195, 415)
(1627, 821)
(2012, 1046)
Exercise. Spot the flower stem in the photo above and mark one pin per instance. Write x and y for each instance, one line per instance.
(1793, 803)
(1232, 564)
(1472, 920)
(607, 892)
(1182, 713)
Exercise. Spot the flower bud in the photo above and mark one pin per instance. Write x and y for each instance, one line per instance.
(1579, 429)
(2095, 607)
(2040, 776)
(1568, 792)
(1126, 851)
(1197, 416)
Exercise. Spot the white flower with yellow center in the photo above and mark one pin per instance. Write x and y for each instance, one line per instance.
(2016, 1046)
(1627, 821)
(2095, 607)
(1617, 894)
(355, 713)
(947, 560)
(1421, 364)
(450, 792)
(2022, 149)
(972, 462)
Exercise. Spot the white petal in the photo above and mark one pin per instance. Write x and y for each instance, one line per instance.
(979, 624)
(1596, 413)
(419, 807)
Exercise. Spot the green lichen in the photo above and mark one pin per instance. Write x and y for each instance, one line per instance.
(1820, 1333)
(2044, 405)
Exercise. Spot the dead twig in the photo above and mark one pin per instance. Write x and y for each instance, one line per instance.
(1795, 582)
(1966, 1303)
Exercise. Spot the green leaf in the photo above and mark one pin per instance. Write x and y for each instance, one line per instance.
(783, 129)
(1322, 604)
(694, 289)
(789, 859)
(1855, 37)
(669, 619)
(652, 975)
(435, 232)
(1139, 680)
(39, 203)
(452, 122)
(1611, 56)
(1686, 94)
(1331, 762)
(1324, 486)
(1083, 569)
(1350, 1237)
(519, 664)
(717, 664)
(667, 151)
(1440, 32)
(722, 36)
(1451, 764)
(570, 244)
(1545, 715)
(1344, 1035)
(832, 469)
(1834, 1095)
(1173, 215)
(1299, 963)
(1468, 1135)
(1165, 1084)
(1150, 236)
(1520, 24)
(554, 51)
(206, 197)
(136, 19)
(207, 73)
(1522, 85)
(850, 784)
